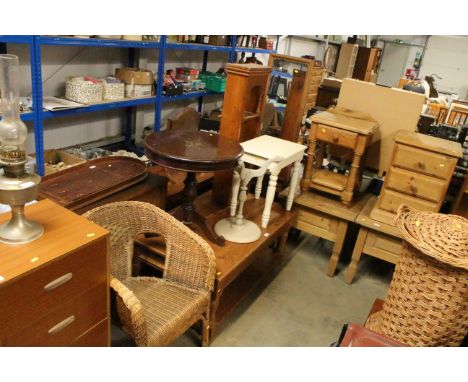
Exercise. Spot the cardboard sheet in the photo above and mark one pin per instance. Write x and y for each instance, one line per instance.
(394, 109)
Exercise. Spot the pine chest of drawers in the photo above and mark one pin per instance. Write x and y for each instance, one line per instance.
(419, 174)
(55, 290)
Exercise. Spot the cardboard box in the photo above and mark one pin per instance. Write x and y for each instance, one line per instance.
(394, 109)
(53, 157)
(135, 76)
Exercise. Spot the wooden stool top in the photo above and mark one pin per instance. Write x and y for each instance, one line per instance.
(365, 220)
(346, 119)
(194, 151)
(331, 206)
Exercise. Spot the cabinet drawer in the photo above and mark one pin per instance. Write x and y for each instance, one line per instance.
(416, 184)
(65, 323)
(390, 201)
(317, 223)
(336, 136)
(426, 162)
(383, 246)
(97, 336)
(41, 291)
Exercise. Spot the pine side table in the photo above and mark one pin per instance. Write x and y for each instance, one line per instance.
(344, 128)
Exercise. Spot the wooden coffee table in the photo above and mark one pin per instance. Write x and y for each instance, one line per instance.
(193, 151)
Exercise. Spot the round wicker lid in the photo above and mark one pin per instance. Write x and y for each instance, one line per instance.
(442, 237)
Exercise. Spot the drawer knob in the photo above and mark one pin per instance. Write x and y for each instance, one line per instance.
(413, 189)
(335, 137)
(324, 131)
(57, 282)
(421, 165)
(61, 325)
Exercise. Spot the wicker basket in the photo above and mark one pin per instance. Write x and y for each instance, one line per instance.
(113, 91)
(427, 302)
(82, 91)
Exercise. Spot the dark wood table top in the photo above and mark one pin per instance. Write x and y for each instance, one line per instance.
(194, 151)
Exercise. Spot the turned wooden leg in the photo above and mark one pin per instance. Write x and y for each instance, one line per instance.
(189, 196)
(347, 195)
(270, 196)
(357, 252)
(337, 248)
(205, 332)
(235, 192)
(310, 158)
(293, 184)
(258, 187)
(242, 198)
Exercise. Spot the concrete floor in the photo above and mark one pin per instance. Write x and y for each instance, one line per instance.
(299, 305)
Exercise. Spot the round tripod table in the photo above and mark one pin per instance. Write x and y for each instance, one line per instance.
(193, 151)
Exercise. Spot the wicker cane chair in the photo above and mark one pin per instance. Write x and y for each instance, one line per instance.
(155, 311)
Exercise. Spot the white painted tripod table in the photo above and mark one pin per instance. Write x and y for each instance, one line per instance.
(236, 228)
(263, 149)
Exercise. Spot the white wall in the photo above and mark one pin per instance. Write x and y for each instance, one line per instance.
(447, 56)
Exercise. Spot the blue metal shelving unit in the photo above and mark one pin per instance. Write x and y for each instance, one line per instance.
(38, 115)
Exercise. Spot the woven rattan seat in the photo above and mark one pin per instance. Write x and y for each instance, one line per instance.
(156, 311)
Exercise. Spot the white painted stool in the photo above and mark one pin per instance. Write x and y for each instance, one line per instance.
(236, 228)
(263, 149)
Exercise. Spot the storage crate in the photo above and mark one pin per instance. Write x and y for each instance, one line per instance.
(216, 83)
(81, 91)
(58, 160)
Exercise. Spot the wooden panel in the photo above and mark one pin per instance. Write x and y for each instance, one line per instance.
(96, 336)
(393, 109)
(349, 120)
(365, 219)
(26, 298)
(318, 219)
(382, 246)
(336, 136)
(346, 60)
(328, 205)
(86, 310)
(423, 161)
(329, 179)
(415, 184)
(294, 108)
(423, 141)
(391, 200)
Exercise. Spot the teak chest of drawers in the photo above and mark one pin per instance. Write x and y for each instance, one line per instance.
(419, 174)
(55, 290)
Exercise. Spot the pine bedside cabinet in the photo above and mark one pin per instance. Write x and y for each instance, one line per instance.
(419, 175)
(55, 291)
(343, 128)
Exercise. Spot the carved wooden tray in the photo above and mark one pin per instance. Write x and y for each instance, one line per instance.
(88, 182)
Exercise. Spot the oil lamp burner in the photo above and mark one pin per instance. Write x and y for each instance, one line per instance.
(17, 187)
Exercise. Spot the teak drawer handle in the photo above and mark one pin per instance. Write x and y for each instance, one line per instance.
(421, 165)
(61, 325)
(335, 137)
(57, 282)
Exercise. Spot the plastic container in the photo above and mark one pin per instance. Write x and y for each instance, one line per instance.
(216, 83)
